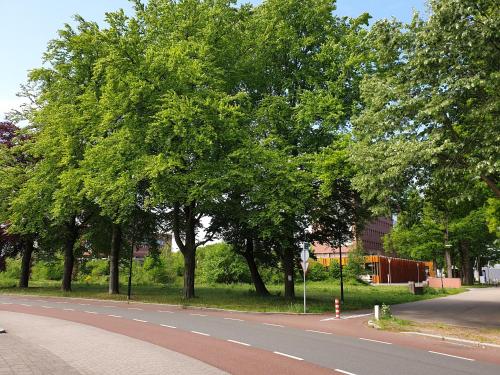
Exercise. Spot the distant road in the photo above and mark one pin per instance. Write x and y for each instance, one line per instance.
(479, 307)
(251, 343)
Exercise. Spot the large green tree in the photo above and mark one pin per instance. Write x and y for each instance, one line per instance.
(431, 103)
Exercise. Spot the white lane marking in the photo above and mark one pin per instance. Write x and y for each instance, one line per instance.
(454, 356)
(197, 314)
(47, 307)
(140, 320)
(380, 342)
(166, 311)
(84, 304)
(324, 320)
(60, 302)
(166, 325)
(25, 304)
(273, 325)
(108, 306)
(91, 312)
(69, 309)
(115, 316)
(201, 333)
(355, 316)
(289, 356)
(134, 308)
(345, 372)
(236, 320)
(239, 342)
(345, 317)
(324, 333)
(6, 303)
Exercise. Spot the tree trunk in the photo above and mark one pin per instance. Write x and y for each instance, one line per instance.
(3, 263)
(260, 286)
(189, 270)
(288, 273)
(26, 264)
(69, 256)
(114, 259)
(449, 266)
(188, 247)
(467, 271)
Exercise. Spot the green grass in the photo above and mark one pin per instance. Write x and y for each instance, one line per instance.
(320, 295)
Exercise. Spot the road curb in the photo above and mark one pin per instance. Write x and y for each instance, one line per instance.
(172, 305)
(453, 339)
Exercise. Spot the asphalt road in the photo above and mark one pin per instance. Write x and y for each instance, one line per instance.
(479, 307)
(252, 343)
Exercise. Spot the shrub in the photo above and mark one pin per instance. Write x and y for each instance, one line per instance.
(334, 269)
(13, 270)
(356, 264)
(317, 272)
(48, 270)
(219, 264)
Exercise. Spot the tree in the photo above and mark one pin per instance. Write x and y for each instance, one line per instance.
(430, 103)
(192, 47)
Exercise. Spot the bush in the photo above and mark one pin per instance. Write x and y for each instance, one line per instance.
(271, 275)
(160, 269)
(48, 270)
(219, 264)
(356, 264)
(334, 269)
(13, 269)
(317, 272)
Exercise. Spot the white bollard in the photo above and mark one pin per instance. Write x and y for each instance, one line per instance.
(377, 312)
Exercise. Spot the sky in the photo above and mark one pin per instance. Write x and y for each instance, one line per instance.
(27, 26)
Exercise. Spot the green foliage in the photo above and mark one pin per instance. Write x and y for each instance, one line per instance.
(13, 271)
(48, 270)
(355, 266)
(219, 264)
(316, 272)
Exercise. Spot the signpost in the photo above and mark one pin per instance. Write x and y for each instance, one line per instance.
(304, 256)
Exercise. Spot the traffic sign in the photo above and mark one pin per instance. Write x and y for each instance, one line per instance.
(305, 265)
(304, 255)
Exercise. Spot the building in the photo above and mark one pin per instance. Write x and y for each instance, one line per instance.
(371, 238)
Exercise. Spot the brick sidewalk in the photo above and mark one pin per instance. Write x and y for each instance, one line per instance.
(39, 345)
(20, 357)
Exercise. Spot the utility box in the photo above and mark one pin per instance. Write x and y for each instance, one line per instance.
(415, 288)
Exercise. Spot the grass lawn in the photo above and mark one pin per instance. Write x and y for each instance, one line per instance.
(241, 296)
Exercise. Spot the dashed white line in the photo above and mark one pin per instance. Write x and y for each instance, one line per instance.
(166, 311)
(454, 356)
(200, 333)
(47, 307)
(273, 325)
(236, 320)
(69, 309)
(91, 312)
(6, 303)
(134, 308)
(239, 342)
(197, 314)
(60, 302)
(380, 342)
(115, 316)
(25, 304)
(140, 320)
(289, 356)
(107, 306)
(344, 372)
(324, 333)
(166, 325)
(84, 304)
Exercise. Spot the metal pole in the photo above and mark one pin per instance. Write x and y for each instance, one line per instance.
(304, 272)
(130, 272)
(341, 276)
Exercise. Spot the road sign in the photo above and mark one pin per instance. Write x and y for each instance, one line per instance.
(304, 255)
(305, 265)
